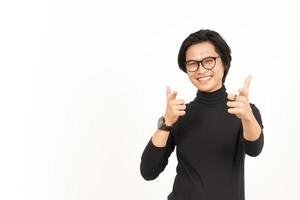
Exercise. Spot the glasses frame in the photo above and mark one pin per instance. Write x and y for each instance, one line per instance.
(201, 61)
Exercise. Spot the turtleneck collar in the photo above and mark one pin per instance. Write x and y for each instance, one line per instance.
(212, 98)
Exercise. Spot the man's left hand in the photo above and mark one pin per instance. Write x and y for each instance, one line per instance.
(239, 105)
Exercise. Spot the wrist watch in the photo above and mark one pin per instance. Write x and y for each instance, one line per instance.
(161, 124)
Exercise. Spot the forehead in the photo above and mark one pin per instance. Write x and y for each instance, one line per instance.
(200, 50)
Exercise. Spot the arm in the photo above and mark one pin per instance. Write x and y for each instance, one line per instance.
(159, 148)
(253, 136)
(155, 155)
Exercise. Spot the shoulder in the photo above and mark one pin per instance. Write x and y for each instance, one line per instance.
(254, 107)
(256, 112)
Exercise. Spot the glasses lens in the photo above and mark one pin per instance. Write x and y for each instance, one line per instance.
(208, 63)
(191, 66)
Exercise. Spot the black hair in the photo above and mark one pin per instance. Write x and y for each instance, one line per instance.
(204, 35)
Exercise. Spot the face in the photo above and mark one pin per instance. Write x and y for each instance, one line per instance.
(203, 79)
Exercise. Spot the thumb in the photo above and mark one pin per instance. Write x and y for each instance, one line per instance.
(243, 92)
(173, 95)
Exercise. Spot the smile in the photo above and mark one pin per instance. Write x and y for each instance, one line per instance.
(204, 78)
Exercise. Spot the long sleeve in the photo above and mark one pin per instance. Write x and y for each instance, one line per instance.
(253, 148)
(154, 159)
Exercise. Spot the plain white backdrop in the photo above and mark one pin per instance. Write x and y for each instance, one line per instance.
(82, 85)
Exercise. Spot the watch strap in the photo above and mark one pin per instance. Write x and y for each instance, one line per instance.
(163, 125)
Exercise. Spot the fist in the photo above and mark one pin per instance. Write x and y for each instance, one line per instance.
(175, 107)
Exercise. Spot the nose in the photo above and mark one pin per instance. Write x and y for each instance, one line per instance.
(201, 69)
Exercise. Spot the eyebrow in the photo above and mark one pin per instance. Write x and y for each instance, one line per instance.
(201, 59)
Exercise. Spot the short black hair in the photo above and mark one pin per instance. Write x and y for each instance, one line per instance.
(206, 35)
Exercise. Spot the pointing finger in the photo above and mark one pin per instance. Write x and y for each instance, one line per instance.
(247, 83)
(168, 92)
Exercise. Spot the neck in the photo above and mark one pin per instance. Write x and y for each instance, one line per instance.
(212, 98)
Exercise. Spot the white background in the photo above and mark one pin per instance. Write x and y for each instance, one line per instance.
(82, 85)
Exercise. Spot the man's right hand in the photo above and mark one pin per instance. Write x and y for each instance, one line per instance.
(175, 107)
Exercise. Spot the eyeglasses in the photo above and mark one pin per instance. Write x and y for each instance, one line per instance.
(207, 63)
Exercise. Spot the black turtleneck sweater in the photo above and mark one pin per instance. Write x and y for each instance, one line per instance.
(210, 149)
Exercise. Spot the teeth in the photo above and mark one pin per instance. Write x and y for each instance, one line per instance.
(204, 78)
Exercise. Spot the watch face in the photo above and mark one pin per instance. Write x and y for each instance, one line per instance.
(162, 125)
(160, 122)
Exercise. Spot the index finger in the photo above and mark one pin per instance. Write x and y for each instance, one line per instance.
(247, 83)
(168, 92)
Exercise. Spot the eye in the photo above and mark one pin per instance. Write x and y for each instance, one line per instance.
(192, 64)
(208, 61)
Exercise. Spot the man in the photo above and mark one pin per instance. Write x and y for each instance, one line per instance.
(212, 133)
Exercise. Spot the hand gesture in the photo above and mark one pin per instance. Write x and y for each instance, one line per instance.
(175, 107)
(240, 103)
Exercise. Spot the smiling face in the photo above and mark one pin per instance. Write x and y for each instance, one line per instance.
(203, 79)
